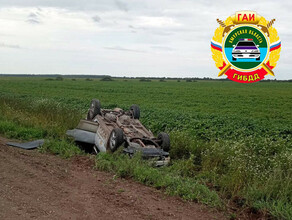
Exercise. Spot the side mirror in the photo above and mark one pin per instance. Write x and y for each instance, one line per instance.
(258, 45)
(233, 45)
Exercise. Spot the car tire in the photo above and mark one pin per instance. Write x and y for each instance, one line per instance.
(165, 141)
(234, 59)
(258, 58)
(94, 109)
(116, 139)
(135, 111)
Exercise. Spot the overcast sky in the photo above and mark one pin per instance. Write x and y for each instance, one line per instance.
(125, 38)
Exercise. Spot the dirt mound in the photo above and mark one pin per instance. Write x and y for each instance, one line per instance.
(41, 186)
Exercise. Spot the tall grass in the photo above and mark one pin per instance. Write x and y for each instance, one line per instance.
(47, 117)
(160, 178)
(63, 148)
(258, 170)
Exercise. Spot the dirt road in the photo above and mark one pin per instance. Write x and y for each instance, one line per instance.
(41, 186)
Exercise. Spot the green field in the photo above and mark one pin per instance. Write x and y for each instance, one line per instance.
(231, 143)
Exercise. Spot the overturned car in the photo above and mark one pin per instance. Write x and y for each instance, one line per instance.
(108, 129)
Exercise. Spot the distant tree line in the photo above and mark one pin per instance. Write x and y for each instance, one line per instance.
(60, 77)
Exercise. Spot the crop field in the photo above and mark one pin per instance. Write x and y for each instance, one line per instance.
(231, 144)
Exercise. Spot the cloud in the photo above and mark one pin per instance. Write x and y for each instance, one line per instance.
(124, 49)
(96, 18)
(10, 46)
(164, 48)
(34, 17)
(33, 21)
(122, 5)
(158, 21)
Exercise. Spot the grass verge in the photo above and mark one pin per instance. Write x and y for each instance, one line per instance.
(160, 178)
(62, 148)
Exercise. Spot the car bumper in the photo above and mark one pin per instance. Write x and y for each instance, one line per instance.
(164, 162)
(245, 55)
(157, 156)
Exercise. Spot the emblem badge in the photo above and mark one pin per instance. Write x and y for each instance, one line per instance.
(246, 47)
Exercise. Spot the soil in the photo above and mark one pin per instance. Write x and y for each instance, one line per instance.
(43, 186)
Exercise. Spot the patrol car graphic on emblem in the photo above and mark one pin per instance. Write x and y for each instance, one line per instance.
(244, 49)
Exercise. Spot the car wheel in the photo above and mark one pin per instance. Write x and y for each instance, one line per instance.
(135, 111)
(94, 109)
(116, 139)
(234, 59)
(165, 141)
(258, 58)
